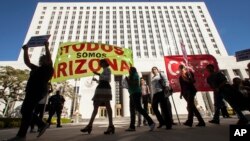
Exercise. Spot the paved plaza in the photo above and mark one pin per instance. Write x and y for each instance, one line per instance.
(71, 132)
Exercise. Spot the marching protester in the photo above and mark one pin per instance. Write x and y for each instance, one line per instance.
(219, 82)
(102, 97)
(246, 82)
(36, 89)
(159, 97)
(218, 97)
(134, 89)
(145, 97)
(56, 103)
(188, 91)
(243, 91)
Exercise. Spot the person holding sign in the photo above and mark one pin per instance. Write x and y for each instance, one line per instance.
(188, 91)
(102, 97)
(36, 89)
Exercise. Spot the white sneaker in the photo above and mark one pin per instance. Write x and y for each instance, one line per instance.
(152, 127)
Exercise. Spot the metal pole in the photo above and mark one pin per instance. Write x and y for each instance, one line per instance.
(173, 99)
(75, 99)
(175, 109)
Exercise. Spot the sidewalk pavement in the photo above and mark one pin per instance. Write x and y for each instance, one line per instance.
(71, 132)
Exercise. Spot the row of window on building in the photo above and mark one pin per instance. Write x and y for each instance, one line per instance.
(130, 28)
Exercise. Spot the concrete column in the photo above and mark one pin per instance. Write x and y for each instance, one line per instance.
(125, 105)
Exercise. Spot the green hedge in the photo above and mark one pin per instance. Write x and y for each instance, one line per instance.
(10, 122)
(63, 120)
(16, 122)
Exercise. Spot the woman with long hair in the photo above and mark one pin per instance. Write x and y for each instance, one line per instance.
(102, 97)
(159, 97)
(188, 91)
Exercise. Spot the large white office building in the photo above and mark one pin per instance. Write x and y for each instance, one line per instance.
(151, 29)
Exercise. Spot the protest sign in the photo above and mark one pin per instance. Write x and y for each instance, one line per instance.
(36, 41)
(77, 59)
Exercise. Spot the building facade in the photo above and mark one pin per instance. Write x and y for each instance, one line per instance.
(150, 29)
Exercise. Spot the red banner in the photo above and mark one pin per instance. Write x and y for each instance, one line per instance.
(197, 64)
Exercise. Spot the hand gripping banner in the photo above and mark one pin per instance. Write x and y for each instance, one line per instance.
(80, 59)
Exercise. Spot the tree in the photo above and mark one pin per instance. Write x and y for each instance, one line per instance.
(67, 89)
(12, 85)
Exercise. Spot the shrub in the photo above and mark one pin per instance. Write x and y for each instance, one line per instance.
(1, 124)
(14, 124)
(10, 122)
(63, 120)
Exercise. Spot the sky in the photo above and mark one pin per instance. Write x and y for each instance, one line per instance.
(231, 18)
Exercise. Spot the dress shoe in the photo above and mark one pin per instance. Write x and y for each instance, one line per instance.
(160, 125)
(214, 121)
(88, 129)
(188, 124)
(130, 129)
(110, 130)
(201, 124)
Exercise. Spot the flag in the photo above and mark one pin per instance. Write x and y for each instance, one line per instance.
(184, 52)
(197, 63)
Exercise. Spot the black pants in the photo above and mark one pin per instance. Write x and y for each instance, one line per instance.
(28, 115)
(145, 100)
(192, 110)
(58, 112)
(135, 104)
(233, 98)
(218, 102)
(39, 111)
(160, 98)
(169, 107)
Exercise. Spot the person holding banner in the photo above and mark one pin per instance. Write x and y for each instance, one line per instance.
(36, 89)
(188, 91)
(41, 108)
(159, 97)
(134, 89)
(102, 97)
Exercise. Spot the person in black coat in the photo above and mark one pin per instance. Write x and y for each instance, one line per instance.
(36, 89)
(188, 91)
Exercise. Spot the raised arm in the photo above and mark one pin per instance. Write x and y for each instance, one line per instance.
(47, 52)
(26, 56)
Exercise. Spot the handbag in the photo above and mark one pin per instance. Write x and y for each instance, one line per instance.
(166, 90)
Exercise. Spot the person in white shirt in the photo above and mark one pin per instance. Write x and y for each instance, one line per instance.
(159, 97)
